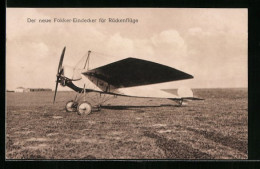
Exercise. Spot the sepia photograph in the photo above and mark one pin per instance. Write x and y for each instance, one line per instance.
(126, 83)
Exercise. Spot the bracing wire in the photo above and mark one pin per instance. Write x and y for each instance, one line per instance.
(85, 61)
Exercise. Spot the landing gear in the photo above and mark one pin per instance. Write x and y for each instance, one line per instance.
(84, 108)
(81, 106)
(71, 106)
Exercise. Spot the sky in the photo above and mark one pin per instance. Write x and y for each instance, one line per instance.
(210, 44)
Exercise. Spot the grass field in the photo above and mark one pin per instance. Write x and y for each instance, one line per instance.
(128, 128)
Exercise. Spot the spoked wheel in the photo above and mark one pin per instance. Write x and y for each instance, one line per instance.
(84, 108)
(71, 106)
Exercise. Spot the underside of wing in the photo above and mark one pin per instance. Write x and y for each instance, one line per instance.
(146, 92)
(135, 72)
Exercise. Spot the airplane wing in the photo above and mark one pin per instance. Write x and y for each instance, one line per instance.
(131, 72)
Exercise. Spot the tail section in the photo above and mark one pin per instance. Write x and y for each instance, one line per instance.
(185, 94)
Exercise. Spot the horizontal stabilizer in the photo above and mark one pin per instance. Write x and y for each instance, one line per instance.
(192, 98)
(186, 98)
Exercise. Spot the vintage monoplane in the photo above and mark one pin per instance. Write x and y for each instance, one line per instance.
(118, 79)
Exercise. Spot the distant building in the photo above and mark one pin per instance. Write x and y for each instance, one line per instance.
(19, 89)
(39, 90)
(22, 89)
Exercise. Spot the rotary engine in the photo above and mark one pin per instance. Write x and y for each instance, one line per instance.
(69, 74)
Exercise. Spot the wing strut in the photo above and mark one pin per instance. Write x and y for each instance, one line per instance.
(87, 60)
